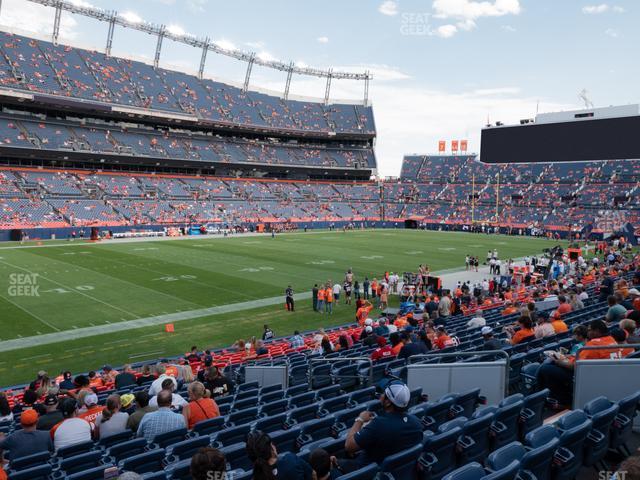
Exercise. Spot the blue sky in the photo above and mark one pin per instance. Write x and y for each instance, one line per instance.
(441, 67)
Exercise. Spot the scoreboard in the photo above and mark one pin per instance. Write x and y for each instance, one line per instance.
(611, 133)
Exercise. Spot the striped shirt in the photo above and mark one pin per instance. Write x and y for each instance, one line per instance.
(161, 421)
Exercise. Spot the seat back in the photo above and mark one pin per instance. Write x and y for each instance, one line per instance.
(237, 458)
(470, 471)
(145, 462)
(96, 473)
(505, 455)
(467, 402)
(242, 416)
(440, 452)
(76, 449)
(29, 461)
(232, 435)
(532, 411)
(275, 407)
(286, 440)
(167, 438)
(208, 426)
(106, 442)
(186, 448)
(81, 462)
(507, 473)
(539, 461)
(271, 423)
(127, 449)
(402, 465)
(474, 443)
(505, 423)
(303, 399)
(40, 472)
(369, 472)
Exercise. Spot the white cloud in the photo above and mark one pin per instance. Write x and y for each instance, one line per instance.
(610, 32)
(36, 18)
(176, 30)
(130, 16)
(481, 92)
(595, 9)
(445, 31)
(508, 28)
(379, 72)
(256, 45)
(81, 3)
(470, 9)
(265, 56)
(323, 39)
(618, 9)
(196, 6)
(388, 7)
(226, 44)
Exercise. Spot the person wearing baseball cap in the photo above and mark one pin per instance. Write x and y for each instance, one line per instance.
(27, 440)
(52, 415)
(394, 430)
(490, 342)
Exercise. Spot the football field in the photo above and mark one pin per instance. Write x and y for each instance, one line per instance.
(78, 305)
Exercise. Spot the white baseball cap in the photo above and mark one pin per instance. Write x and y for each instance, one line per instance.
(398, 394)
(486, 330)
(634, 291)
(91, 399)
(368, 329)
(368, 321)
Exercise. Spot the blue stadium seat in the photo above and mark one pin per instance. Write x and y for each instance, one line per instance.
(347, 377)
(297, 389)
(439, 453)
(536, 461)
(303, 399)
(602, 413)
(315, 430)
(41, 472)
(180, 470)
(470, 471)
(298, 375)
(302, 414)
(362, 395)
(147, 462)
(76, 449)
(345, 418)
(209, 426)
(270, 389)
(369, 472)
(186, 448)
(274, 407)
(236, 456)
(29, 461)
(230, 436)
(320, 376)
(167, 438)
(506, 422)
(123, 450)
(572, 429)
(334, 404)
(248, 386)
(509, 472)
(272, 397)
(466, 402)
(432, 415)
(96, 473)
(243, 416)
(286, 440)
(474, 442)
(83, 461)
(622, 427)
(107, 442)
(271, 423)
(244, 403)
(402, 465)
(155, 476)
(532, 411)
(329, 392)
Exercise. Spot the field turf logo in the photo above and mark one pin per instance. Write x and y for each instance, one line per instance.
(23, 285)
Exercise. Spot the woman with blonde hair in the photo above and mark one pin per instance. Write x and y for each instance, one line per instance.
(111, 420)
(200, 407)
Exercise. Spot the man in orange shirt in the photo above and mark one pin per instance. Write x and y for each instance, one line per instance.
(564, 307)
(321, 297)
(557, 375)
(526, 330)
(363, 312)
(91, 409)
(328, 298)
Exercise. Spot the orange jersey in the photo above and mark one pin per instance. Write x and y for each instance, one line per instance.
(559, 326)
(329, 295)
(91, 414)
(603, 354)
(172, 371)
(321, 294)
(521, 335)
(363, 313)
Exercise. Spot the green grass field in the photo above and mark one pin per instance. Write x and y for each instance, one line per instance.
(82, 285)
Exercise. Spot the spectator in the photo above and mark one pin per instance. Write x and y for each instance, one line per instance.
(324, 466)
(161, 421)
(383, 351)
(146, 376)
(327, 346)
(176, 400)
(443, 340)
(28, 440)
(629, 328)
(525, 331)
(90, 409)
(444, 308)
(267, 334)
(267, 465)
(52, 416)
(66, 383)
(396, 343)
(476, 322)
(200, 407)
(382, 328)
(557, 375)
(6, 415)
(193, 355)
(564, 307)
(544, 328)
(606, 287)
(72, 430)
(370, 338)
(208, 464)
(410, 348)
(108, 374)
(260, 348)
(216, 383)
(490, 342)
(391, 432)
(126, 378)
(29, 401)
(111, 420)
(345, 341)
(616, 311)
(296, 341)
(156, 386)
(142, 408)
(127, 401)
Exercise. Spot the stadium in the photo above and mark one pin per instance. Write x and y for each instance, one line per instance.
(204, 279)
